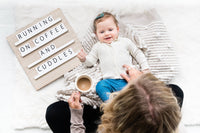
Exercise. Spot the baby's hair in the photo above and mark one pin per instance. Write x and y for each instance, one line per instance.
(101, 17)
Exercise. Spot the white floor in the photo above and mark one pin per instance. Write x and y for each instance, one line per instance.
(7, 74)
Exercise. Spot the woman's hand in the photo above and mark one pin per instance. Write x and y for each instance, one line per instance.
(75, 100)
(132, 73)
(82, 55)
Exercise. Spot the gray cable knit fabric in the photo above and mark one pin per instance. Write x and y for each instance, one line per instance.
(150, 35)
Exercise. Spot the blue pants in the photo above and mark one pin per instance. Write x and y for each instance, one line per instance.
(107, 86)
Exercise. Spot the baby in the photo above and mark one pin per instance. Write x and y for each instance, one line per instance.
(112, 52)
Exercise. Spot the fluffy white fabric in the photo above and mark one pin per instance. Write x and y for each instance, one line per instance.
(149, 34)
(30, 105)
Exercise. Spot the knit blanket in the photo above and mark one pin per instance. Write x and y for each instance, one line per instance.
(143, 25)
(149, 34)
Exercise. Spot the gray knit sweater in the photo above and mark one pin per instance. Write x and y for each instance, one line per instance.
(77, 121)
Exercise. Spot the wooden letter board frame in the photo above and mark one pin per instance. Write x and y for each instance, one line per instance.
(46, 48)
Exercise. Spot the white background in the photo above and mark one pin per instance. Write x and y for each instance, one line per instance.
(184, 31)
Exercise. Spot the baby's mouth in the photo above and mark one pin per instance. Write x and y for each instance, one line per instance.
(108, 38)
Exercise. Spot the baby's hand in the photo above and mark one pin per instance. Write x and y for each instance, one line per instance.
(82, 55)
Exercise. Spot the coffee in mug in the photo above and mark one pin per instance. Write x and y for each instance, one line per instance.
(83, 83)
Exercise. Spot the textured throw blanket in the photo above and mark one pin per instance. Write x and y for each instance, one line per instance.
(149, 34)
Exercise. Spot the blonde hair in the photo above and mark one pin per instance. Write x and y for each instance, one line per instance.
(146, 105)
(101, 17)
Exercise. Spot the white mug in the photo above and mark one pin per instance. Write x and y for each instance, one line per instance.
(83, 83)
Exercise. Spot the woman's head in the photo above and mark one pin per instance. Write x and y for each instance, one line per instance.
(106, 27)
(143, 106)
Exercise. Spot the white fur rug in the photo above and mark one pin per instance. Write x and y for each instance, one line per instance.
(182, 22)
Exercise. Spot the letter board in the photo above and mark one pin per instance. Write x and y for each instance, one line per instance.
(46, 48)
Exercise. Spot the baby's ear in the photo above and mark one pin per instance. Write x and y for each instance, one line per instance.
(95, 34)
(118, 28)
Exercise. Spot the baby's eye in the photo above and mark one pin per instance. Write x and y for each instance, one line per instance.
(110, 29)
(102, 32)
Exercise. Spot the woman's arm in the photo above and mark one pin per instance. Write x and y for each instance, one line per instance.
(76, 113)
(77, 121)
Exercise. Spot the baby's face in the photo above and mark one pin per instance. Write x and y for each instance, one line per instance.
(107, 31)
